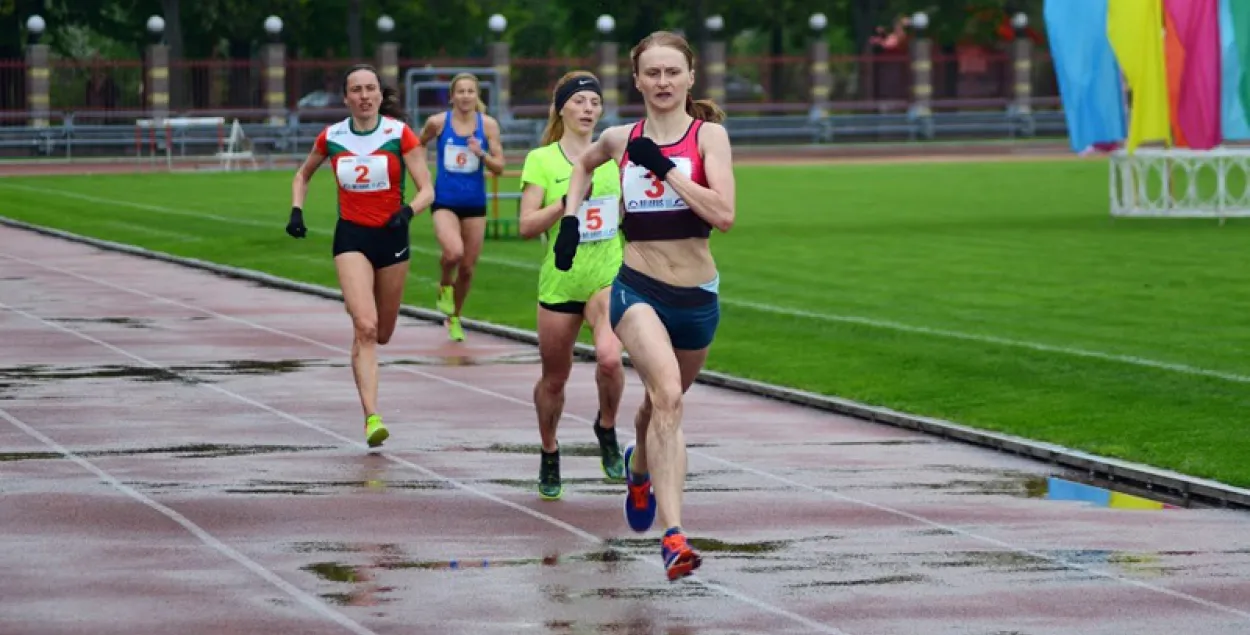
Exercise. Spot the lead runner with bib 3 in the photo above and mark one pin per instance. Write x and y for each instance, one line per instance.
(677, 183)
(567, 297)
(369, 152)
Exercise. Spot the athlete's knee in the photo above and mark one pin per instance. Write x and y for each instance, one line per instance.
(666, 402)
(452, 255)
(384, 336)
(608, 357)
(366, 329)
(552, 383)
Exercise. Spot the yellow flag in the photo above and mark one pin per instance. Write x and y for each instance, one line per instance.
(1135, 30)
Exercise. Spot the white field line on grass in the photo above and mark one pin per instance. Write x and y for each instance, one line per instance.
(277, 224)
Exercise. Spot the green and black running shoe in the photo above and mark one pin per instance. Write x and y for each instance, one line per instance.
(610, 453)
(549, 486)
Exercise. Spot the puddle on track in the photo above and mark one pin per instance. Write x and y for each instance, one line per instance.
(191, 451)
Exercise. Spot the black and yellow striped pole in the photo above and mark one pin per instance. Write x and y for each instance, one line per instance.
(156, 94)
(714, 59)
(921, 73)
(821, 80)
(609, 69)
(37, 71)
(388, 54)
(1022, 65)
(502, 65)
(274, 58)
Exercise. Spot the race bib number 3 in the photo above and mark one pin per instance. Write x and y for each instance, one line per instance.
(599, 218)
(460, 159)
(363, 173)
(645, 193)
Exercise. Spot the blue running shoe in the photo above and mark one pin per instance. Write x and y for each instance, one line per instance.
(639, 499)
(680, 559)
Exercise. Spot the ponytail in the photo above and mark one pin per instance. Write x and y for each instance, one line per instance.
(390, 105)
(704, 109)
(555, 127)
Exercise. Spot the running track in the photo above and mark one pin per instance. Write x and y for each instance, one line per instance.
(181, 453)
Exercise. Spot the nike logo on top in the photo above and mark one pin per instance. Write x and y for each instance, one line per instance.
(562, 180)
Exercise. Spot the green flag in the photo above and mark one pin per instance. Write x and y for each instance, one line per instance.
(1240, 11)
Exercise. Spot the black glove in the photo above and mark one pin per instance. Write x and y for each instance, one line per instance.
(295, 226)
(644, 152)
(590, 191)
(399, 220)
(566, 242)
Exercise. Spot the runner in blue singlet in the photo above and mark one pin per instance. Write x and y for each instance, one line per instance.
(467, 141)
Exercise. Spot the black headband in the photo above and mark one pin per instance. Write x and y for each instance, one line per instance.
(576, 85)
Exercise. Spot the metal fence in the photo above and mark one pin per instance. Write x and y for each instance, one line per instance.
(94, 104)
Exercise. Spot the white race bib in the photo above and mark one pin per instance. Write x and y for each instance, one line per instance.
(366, 173)
(599, 218)
(645, 193)
(459, 159)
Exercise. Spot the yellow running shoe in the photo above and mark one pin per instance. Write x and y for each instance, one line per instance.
(446, 301)
(454, 330)
(375, 432)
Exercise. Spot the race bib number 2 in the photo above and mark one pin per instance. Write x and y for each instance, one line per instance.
(363, 173)
(599, 218)
(645, 193)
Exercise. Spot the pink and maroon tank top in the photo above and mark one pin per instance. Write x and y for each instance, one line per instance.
(653, 209)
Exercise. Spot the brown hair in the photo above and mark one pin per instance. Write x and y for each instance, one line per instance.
(390, 106)
(555, 123)
(451, 88)
(704, 109)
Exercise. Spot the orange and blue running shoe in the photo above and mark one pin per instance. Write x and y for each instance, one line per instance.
(639, 499)
(680, 559)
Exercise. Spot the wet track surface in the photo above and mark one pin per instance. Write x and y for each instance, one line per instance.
(218, 483)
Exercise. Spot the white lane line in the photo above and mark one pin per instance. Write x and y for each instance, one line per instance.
(577, 531)
(761, 473)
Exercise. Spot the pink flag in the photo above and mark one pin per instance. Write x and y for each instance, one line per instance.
(1197, 24)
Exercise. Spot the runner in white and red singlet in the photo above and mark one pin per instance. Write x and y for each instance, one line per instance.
(369, 151)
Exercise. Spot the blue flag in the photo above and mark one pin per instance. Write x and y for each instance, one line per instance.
(1090, 85)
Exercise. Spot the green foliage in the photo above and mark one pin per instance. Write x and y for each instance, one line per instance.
(457, 28)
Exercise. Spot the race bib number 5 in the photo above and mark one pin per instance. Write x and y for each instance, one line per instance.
(645, 193)
(599, 218)
(460, 159)
(363, 173)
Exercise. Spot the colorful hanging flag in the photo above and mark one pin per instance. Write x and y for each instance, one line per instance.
(1195, 27)
(1135, 30)
(1088, 75)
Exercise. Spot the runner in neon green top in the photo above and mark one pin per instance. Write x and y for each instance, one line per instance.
(567, 298)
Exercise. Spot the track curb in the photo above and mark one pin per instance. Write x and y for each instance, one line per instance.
(1143, 478)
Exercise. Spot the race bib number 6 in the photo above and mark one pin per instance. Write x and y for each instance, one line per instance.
(363, 173)
(599, 218)
(457, 158)
(646, 193)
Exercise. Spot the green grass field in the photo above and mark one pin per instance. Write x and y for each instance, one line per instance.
(998, 295)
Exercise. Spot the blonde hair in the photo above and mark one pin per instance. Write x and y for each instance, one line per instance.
(704, 109)
(555, 121)
(451, 88)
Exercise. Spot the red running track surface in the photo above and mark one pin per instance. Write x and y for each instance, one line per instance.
(182, 453)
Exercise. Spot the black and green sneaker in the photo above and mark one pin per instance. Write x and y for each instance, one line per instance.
(549, 486)
(610, 453)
